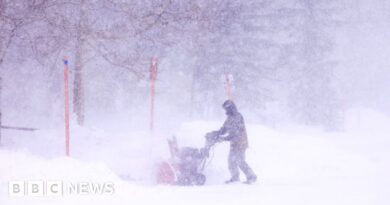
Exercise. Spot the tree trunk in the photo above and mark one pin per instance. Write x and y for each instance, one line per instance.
(78, 94)
(192, 100)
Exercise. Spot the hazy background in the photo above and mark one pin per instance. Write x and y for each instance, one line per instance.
(297, 61)
(311, 78)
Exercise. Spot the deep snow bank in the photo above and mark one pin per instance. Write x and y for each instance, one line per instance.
(294, 167)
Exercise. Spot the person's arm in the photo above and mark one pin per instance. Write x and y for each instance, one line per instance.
(236, 131)
(233, 134)
(223, 130)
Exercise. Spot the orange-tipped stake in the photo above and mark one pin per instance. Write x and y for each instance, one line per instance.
(66, 95)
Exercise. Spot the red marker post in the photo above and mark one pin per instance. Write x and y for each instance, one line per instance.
(153, 77)
(66, 95)
(229, 85)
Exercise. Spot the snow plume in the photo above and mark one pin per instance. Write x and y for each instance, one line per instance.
(292, 165)
(311, 79)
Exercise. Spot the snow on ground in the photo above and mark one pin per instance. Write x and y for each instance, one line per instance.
(295, 166)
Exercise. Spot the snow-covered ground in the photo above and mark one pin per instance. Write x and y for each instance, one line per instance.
(296, 165)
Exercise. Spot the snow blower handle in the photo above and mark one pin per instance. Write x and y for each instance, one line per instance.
(211, 139)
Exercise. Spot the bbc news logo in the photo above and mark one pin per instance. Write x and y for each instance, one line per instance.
(59, 188)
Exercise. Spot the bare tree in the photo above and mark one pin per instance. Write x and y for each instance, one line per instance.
(78, 93)
(125, 34)
(313, 98)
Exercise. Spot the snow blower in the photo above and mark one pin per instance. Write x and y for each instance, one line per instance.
(186, 164)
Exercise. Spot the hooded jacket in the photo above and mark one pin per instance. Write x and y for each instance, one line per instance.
(234, 127)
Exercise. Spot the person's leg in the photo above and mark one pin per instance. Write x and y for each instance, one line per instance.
(250, 175)
(233, 166)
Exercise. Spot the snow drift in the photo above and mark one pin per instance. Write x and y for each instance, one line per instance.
(294, 166)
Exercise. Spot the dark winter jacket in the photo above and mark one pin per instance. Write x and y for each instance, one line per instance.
(234, 127)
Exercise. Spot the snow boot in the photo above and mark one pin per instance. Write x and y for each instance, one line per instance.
(251, 180)
(232, 180)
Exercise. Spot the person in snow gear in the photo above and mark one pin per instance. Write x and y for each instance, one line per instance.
(233, 130)
(187, 164)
